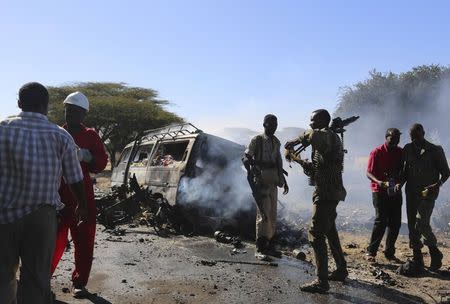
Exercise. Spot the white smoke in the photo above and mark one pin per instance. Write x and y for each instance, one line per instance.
(223, 189)
(361, 137)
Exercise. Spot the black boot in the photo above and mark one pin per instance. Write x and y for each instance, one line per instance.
(338, 275)
(418, 258)
(272, 250)
(261, 248)
(436, 258)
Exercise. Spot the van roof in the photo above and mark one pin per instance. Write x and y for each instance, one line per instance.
(171, 132)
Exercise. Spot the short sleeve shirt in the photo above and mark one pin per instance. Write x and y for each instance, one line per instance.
(34, 155)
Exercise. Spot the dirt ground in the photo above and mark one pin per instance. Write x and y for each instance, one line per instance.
(141, 267)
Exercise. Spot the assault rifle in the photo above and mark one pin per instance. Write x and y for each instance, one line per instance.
(337, 125)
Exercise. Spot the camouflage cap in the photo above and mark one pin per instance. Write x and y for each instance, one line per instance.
(393, 132)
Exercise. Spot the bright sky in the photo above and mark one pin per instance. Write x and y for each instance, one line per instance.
(222, 63)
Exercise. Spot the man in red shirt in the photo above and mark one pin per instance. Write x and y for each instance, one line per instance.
(383, 170)
(93, 159)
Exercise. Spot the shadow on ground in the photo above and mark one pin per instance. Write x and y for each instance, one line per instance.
(383, 292)
(94, 298)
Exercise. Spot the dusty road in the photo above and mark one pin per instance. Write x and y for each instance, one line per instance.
(141, 267)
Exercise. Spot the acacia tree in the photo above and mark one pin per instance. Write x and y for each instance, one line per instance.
(118, 112)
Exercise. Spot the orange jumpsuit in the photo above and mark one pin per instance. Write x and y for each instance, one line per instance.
(83, 236)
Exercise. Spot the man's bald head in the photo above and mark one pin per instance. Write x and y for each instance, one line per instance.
(417, 133)
(270, 124)
(320, 119)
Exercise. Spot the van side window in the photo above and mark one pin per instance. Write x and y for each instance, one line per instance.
(170, 154)
(142, 156)
(125, 155)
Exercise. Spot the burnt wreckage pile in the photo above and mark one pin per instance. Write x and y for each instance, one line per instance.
(133, 203)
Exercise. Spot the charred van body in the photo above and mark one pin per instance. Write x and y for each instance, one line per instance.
(199, 172)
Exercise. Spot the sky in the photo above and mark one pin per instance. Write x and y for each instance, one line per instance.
(220, 63)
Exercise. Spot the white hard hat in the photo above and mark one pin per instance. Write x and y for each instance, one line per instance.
(78, 99)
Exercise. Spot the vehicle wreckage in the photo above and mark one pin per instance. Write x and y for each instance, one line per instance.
(181, 180)
(156, 175)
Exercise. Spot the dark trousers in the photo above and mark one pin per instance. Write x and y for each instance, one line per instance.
(323, 227)
(388, 214)
(32, 240)
(419, 212)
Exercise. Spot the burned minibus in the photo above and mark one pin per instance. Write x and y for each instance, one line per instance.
(191, 168)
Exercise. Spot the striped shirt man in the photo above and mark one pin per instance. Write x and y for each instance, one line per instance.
(34, 154)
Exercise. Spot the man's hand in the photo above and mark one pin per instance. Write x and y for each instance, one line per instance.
(84, 155)
(290, 144)
(286, 188)
(81, 214)
(433, 187)
(398, 188)
(383, 185)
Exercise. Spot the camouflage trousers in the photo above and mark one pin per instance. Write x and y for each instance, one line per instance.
(323, 227)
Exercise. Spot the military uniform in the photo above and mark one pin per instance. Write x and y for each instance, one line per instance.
(265, 150)
(422, 167)
(325, 171)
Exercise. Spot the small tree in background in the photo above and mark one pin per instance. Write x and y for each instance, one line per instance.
(118, 112)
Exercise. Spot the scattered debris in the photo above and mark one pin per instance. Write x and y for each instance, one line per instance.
(116, 231)
(248, 263)
(351, 246)
(214, 262)
(379, 274)
(235, 251)
(290, 233)
(118, 240)
(409, 269)
(208, 263)
(132, 202)
(299, 255)
(223, 237)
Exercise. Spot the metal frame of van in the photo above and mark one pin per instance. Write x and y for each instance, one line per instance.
(208, 148)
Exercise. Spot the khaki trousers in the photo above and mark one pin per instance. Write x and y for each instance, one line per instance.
(266, 227)
(30, 239)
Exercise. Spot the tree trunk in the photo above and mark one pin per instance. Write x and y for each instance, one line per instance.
(112, 157)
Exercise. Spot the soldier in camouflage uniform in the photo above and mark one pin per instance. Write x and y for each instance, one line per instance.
(325, 172)
(264, 156)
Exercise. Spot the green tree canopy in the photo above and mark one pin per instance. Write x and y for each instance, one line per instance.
(117, 111)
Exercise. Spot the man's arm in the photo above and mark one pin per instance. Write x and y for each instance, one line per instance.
(371, 165)
(73, 176)
(248, 158)
(99, 155)
(280, 173)
(304, 139)
(442, 164)
(81, 212)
